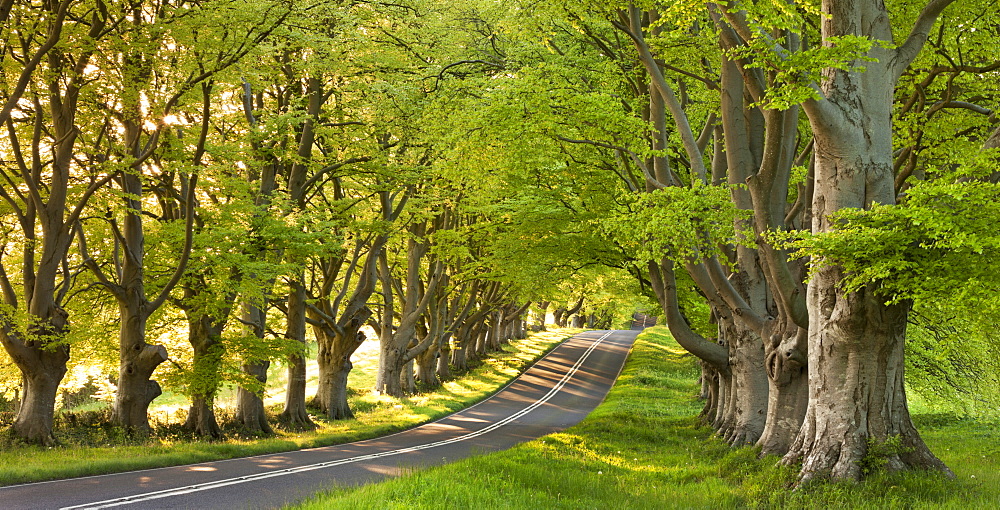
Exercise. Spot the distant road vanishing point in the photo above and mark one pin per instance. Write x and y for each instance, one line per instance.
(555, 393)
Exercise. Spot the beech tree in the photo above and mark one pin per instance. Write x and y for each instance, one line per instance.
(851, 124)
(342, 286)
(760, 305)
(46, 189)
(145, 89)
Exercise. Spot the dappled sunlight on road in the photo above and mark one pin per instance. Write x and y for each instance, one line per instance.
(272, 462)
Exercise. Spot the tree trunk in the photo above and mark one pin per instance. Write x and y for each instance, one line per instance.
(703, 381)
(495, 333)
(137, 361)
(36, 412)
(855, 354)
(250, 411)
(46, 216)
(398, 346)
(444, 355)
(43, 366)
(295, 414)
(471, 343)
(482, 340)
(406, 378)
(520, 327)
(505, 332)
(201, 418)
(390, 368)
(710, 389)
(788, 393)
(558, 316)
(463, 342)
(759, 151)
(749, 385)
(331, 395)
(459, 356)
(205, 337)
(725, 416)
(856, 393)
(543, 308)
(426, 368)
(334, 360)
(335, 405)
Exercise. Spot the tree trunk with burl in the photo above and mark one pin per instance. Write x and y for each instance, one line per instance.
(857, 397)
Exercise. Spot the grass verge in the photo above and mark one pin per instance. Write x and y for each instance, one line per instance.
(643, 448)
(376, 415)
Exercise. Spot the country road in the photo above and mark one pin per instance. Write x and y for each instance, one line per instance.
(555, 393)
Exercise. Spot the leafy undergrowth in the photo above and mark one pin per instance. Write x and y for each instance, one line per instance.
(643, 448)
(96, 448)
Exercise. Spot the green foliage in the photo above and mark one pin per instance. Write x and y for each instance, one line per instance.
(880, 452)
(942, 229)
(694, 307)
(515, 118)
(31, 328)
(682, 223)
(953, 358)
(796, 74)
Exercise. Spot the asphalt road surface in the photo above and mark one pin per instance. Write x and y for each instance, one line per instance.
(555, 393)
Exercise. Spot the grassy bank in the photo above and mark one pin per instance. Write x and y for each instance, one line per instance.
(99, 449)
(643, 448)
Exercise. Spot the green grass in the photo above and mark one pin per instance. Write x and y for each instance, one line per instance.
(643, 448)
(99, 449)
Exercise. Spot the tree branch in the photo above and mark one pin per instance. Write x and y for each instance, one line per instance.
(664, 282)
(908, 51)
(633, 29)
(186, 251)
(635, 158)
(91, 264)
(30, 66)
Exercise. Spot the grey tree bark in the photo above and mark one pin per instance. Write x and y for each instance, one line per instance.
(295, 415)
(137, 358)
(856, 386)
(250, 411)
(205, 336)
(395, 342)
(338, 331)
(43, 157)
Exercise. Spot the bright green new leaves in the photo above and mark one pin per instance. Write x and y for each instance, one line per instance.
(796, 74)
(941, 242)
(683, 223)
(953, 357)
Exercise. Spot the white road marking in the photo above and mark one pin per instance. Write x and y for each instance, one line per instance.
(149, 496)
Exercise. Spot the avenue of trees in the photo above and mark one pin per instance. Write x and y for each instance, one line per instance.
(193, 190)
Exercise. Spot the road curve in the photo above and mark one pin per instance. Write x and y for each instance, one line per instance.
(556, 392)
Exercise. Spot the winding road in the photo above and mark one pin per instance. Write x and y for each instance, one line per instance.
(556, 392)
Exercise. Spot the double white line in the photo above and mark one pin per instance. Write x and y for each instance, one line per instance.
(149, 496)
